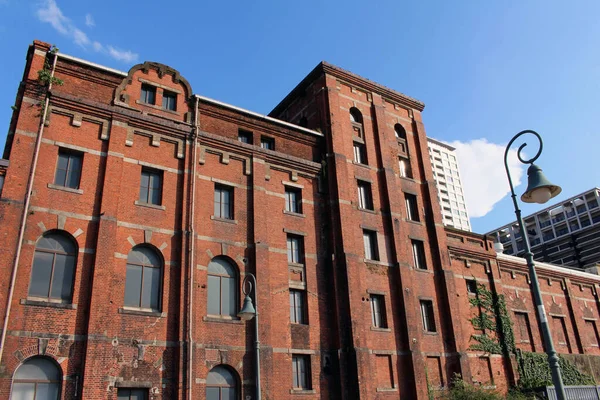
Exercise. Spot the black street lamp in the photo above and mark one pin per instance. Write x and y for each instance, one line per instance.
(539, 190)
(248, 312)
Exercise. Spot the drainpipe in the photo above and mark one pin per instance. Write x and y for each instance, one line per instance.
(15, 268)
(191, 258)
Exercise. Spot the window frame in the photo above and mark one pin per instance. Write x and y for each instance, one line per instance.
(219, 190)
(378, 309)
(145, 90)
(360, 153)
(267, 142)
(51, 298)
(298, 311)
(144, 267)
(58, 383)
(428, 315)
(70, 154)
(419, 257)
(151, 173)
(295, 249)
(301, 368)
(247, 136)
(405, 168)
(471, 290)
(171, 98)
(372, 250)
(293, 200)
(412, 207)
(234, 299)
(142, 390)
(234, 387)
(365, 195)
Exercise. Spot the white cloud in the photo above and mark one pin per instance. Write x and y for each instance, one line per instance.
(122, 55)
(89, 21)
(483, 175)
(49, 12)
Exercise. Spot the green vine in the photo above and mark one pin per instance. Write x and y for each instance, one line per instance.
(533, 368)
(46, 79)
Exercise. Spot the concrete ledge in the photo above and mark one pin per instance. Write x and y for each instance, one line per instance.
(141, 312)
(64, 188)
(52, 304)
(155, 206)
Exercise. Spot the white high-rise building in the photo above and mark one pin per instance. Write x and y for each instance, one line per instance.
(449, 187)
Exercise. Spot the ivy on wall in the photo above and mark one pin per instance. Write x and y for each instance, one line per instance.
(498, 338)
(46, 79)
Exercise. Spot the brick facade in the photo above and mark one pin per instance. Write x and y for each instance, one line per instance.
(101, 345)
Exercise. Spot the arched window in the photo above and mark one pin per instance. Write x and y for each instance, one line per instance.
(221, 384)
(53, 267)
(222, 288)
(144, 276)
(400, 131)
(36, 379)
(357, 122)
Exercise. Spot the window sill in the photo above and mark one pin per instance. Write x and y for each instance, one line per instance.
(425, 270)
(294, 214)
(361, 165)
(142, 312)
(412, 221)
(48, 303)
(64, 188)
(430, 333)
(156, 107)
(154, 206)
(377, 329)
(367, 210)
(303, 391)
(408, 178)
(222, 319)
(226, 220)
(377, 262)
(387, 389)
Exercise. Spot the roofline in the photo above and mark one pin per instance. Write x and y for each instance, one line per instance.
(549, 267)
(542, 210)
(325, 68)
(439, 143)
(206, 99)
(257, 115)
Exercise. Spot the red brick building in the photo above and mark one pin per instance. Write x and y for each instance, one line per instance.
(132, 210)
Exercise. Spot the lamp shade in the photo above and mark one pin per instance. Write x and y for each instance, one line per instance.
(539, 189)
(247, 312)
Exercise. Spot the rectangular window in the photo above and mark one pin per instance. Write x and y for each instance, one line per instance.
(378, 316)
(427, 315)
(169, 100)
(370, 241)
(412, 209)
(405, 170)
(223, 201)
(151, 186)
(245, 136)
(293, 200)
(301, 372)
(148, 95)
(471, 286)
(132, 394)
(418, 254)
(267, 143)
(561, 332)
(295, 250)
(592, 329)
(365, 196)
(297, 308)
(360, 153)
(524, 329)
(68, 169)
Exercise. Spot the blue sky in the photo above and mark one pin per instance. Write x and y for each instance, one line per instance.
(485, 70)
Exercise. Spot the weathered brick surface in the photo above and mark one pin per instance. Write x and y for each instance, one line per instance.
(100, 346)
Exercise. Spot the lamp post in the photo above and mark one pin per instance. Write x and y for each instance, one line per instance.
(248, 312)
(539, 190)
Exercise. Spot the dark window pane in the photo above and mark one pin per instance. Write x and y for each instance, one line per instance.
(133, 285)
(123, 394)
(63, 277)
(151, 288)
(138, 394)
(214, 295)
(227, 303)
(23, 391)
(41, 273)
(46, 391)
(38, 368)
(144, 184)
(212, 393)
(74, 172)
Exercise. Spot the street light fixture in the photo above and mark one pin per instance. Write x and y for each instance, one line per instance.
(539, 190)
(248, 312)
